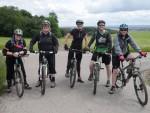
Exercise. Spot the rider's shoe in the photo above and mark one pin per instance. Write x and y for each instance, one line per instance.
(53, 84)
(38, 84)
(90, 77)
(26, 86)
(107, 83)
(112, 90)
(80, 80)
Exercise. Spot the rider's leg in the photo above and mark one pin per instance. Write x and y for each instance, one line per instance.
(107, 59)
(129, 56)
(93, 59)
(52, 71)
(114, 76)
(115, 64)
(79, 58)
(91, 70)
(40, 60)
(24, 75)
(9, 73)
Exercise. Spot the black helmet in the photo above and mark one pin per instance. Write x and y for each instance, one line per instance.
(46, 22)
(79, 21)
(18, 32)
(123, 26)
(101, 21)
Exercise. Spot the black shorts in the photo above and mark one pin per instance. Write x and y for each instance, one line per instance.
(106, 59)
(116, 61)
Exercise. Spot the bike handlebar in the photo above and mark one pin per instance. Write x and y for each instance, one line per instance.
(133, 59)
(76, 50)
(43, 52)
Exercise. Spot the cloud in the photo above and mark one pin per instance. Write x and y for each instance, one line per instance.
(68, 11)
(101, 6)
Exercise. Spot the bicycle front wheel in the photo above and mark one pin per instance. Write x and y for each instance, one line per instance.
(72, 75)
(43, 81)
(19, 83)
(140, 88)
(95, 75)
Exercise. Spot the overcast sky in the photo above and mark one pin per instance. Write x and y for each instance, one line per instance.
(114, 12)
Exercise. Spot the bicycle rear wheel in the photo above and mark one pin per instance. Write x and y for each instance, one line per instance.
(140, 89)
(19, 83)
(43, 81)
(95, 75)
(72, 75)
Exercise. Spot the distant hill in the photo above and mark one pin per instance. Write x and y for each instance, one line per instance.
(90, 30)
(133, 27)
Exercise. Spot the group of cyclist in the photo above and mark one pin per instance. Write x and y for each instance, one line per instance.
(48, 42)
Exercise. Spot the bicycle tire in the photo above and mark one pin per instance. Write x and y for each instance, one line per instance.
(142, 86)
(73, 75)
(95, 74)
(43, 81)
(19, 83)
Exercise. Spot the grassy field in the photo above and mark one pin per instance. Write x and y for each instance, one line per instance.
(141, 37)
(2, 72)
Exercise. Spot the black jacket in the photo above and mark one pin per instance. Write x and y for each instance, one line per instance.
(46, 42)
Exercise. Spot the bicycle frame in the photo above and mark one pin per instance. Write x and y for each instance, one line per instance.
(98, 63)
(16, 65)
(130, 66)
(44, 62)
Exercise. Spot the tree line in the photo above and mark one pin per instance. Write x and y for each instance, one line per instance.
(11, 18)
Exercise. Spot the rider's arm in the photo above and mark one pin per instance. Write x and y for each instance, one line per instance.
(24, 48)
(134, 45)
(117, 48)
(85, 41)
(56, 43)
(92, 40)
(67, 37)
(109, 43)
(32, 42)
(7, 48)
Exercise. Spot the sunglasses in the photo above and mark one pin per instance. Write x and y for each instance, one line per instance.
(101, 25)
(79, 24)
(123, 29)
(19, 35)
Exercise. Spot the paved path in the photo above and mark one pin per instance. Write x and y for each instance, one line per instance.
(62, 99)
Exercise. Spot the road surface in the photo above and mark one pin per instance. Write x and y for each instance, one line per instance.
(62, 99)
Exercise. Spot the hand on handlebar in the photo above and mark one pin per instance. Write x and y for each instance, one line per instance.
(86, 49)
(143, 53)
(21, 53)
(121, 58)
(16, 54)
(66, 47)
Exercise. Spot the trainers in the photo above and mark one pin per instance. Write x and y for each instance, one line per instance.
(67, 75)
(80, 80)
(90, 77)
(26, 86)
(112, 90)
(50, 77)
(38, 84)
(107, 83)
(53, 84)
(8, 90)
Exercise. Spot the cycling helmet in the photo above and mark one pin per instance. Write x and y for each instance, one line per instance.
(18, 32)
(101, 21)
(79, 22)
(123, 26)
(46, 22)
